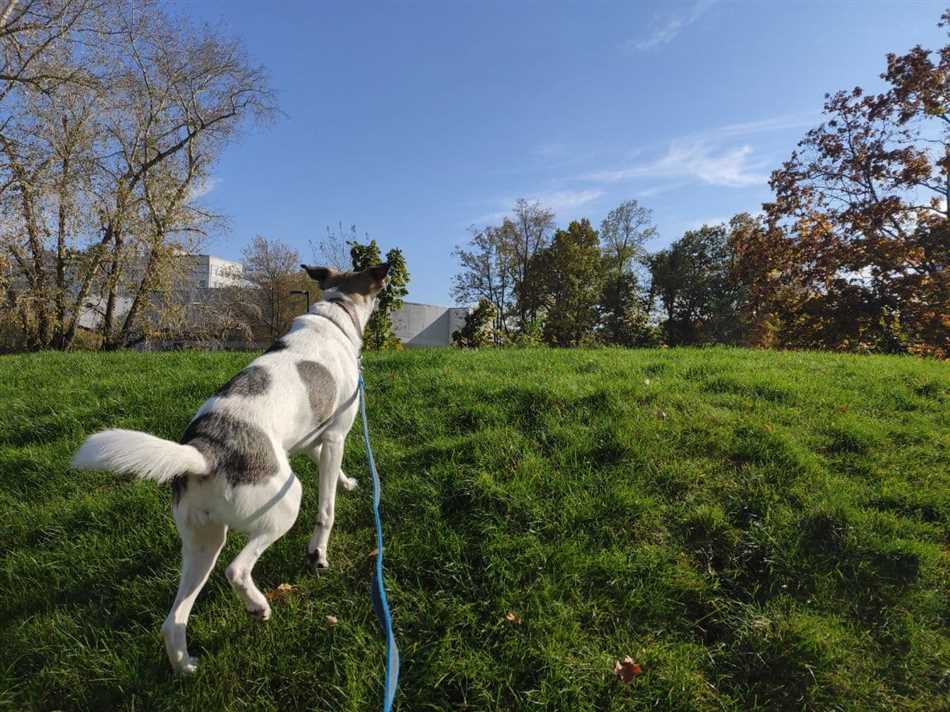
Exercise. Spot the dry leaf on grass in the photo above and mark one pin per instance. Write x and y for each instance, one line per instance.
(331, 620)
(281, 592)
(626, 670)
(513, 617)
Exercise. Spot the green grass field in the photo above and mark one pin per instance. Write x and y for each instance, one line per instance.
(757, 530)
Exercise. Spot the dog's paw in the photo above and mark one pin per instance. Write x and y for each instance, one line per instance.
(349, 483)
(187, 666)
(317, 562)
(259, 614)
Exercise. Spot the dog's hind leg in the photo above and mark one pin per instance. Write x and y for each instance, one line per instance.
(280, 515)
(331, 457)
(201, 544)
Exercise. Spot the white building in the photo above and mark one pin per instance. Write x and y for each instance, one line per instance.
(210, 272)
(427, 324)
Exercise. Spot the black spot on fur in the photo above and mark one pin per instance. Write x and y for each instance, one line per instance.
(278, 345)
(238, 450)
(321, 388)
(252, 381)
(179, 485)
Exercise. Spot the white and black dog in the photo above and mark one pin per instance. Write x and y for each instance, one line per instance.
(231, 469)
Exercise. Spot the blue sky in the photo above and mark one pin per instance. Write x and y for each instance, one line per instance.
(416, 120)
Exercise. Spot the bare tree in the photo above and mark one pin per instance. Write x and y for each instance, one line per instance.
(333, 250)
(271, 272)
(101, 158)
(487, 271)
(532, 225)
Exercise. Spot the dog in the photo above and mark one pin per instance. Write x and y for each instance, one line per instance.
(231, 469)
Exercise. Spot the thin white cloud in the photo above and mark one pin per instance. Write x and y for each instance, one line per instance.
(560, 201)
(671, 25)
(712, 157)
(775, 123)
(566, 200)
(694, 159)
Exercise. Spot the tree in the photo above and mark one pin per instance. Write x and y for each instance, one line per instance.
(530, 227)
(567, 284)
(333, 250)
(625, 318)
(478, 329)
(116, 118)
(379, 330)
(487, 272)
(271, 271)
(694, 281)
(860, 213)
(623, 234)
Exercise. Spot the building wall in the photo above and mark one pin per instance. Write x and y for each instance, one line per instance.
(427, 324)
(210, 272)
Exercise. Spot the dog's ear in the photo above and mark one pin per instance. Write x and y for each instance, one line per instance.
(378, 273)
(319, 274)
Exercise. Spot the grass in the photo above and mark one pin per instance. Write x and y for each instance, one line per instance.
(757, 530)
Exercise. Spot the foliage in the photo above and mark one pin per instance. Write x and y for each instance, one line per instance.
(859, 220)
(623, 234)
(379, 330)
(113, 117)
(479, 327)
(758, 530)
(529, 230)
(625, 321)
(694, 282)
(566, 285)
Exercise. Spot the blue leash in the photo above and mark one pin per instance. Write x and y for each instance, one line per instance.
(380, 604)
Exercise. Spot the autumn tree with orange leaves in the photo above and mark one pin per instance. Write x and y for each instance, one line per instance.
(853, 252)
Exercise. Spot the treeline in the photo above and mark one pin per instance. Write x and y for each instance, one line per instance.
(850, 255)
(112, 115)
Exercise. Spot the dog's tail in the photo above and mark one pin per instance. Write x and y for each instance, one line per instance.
(141, 454)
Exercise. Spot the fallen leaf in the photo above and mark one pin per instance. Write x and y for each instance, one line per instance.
(647, 381)
(769, 428)
(843, 408)
(513, 617)
(331, 620)
(626, 670)
(661, 414)
(373, 553)
(281, 592)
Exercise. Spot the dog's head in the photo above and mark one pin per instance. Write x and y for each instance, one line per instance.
(363, 286)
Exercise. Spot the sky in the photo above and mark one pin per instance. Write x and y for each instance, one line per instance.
(417, 120)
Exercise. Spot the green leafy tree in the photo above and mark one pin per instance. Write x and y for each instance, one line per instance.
(695, 281)
(625, 317)
(567, 283)
(379, 330)
(478, 329)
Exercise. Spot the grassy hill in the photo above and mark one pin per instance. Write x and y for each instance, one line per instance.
(757, 530)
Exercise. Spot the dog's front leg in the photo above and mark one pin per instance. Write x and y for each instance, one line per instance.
(331, 459)
(349, 483)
